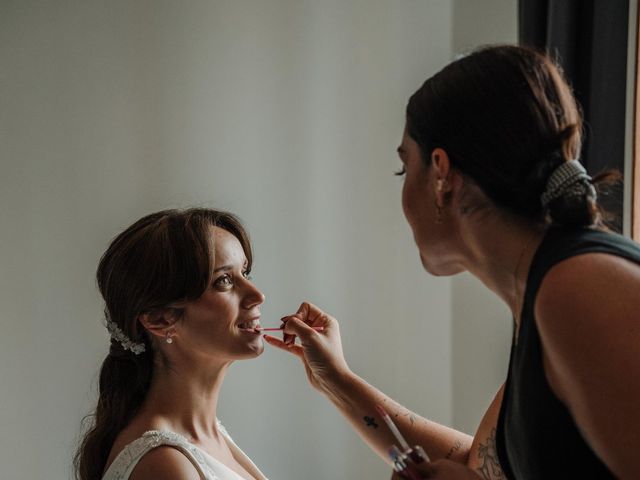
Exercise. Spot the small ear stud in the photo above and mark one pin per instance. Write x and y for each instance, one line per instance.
(440, 184)
(168, 338)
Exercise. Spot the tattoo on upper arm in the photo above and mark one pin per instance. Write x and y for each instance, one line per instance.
(370, 421)
(490, 468)
(455, 448)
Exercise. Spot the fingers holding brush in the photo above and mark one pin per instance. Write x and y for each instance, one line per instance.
(320, 346)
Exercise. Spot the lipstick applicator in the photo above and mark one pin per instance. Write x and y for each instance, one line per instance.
(260, 329)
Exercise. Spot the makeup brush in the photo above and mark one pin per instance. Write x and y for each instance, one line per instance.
(261, 329)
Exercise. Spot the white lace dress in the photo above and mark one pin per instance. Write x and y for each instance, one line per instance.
(208, 467)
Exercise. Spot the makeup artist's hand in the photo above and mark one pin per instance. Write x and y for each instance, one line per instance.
(320, 352)
(442, 470)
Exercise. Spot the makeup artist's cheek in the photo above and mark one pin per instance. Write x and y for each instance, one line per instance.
(405, 204)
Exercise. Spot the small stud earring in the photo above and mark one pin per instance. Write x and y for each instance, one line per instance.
(168, 337)
(440, 184)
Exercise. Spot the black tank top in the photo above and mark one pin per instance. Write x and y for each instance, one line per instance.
(536, 436)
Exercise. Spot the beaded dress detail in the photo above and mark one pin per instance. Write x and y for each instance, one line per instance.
(207, 466)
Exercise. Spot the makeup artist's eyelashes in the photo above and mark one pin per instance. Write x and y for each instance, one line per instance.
(400, 172)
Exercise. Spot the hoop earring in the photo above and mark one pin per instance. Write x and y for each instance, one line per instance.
(439, 215)
(440, 183)
(168, 338)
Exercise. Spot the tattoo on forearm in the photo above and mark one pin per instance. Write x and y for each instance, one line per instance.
(412, 417)
(490, 468)
(454, 449)
(370, 421)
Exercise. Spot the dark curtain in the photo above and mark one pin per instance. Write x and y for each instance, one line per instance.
(589, 40)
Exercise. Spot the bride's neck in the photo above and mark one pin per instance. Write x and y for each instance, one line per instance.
(186, 398)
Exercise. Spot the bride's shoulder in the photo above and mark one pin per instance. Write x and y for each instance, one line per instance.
(137, 437)
(164, 463)
(127, 437)
(156, 454)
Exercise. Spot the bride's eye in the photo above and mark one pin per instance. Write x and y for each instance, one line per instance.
(247, 274)
(402, 171)
(223, 281)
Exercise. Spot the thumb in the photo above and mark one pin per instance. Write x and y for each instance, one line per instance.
(295, 326)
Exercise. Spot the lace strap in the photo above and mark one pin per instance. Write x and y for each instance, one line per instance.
(223, 430)
(126, 461)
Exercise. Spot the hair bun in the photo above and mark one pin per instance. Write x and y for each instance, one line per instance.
(569, 196)
(568, 179)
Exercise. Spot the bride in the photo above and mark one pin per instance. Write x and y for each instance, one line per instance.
(180, 308)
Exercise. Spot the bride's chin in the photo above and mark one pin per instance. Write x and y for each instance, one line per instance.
(256, 349)
(260, 350)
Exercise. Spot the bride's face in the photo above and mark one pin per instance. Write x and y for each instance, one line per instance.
(218, 323)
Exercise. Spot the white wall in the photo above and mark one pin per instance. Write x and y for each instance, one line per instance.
(286, 112)
(481, 323)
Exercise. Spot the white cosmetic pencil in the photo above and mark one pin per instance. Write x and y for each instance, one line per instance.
(392, 426)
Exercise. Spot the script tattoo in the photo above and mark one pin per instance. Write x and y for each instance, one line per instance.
(490, 468)
(412, 417)
(455, 448)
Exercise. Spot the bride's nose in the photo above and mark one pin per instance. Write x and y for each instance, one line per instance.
(253, 296)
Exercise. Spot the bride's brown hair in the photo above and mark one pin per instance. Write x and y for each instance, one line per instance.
(161, 259)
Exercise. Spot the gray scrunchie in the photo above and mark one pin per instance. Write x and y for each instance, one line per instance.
(569, 179)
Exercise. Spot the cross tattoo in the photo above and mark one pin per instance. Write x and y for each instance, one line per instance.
(371, 422)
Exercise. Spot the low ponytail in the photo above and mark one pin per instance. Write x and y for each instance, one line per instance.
(123, 385)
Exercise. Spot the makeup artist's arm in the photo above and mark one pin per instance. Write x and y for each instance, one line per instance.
(327, 370)
(587, 315)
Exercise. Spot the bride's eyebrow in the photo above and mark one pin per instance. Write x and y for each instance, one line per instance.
(225, 268)
(245, 264)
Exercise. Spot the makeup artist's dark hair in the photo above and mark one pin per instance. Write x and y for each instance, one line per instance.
(161, 259)
(507, 118)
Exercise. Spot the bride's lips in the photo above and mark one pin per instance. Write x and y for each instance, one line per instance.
(249, 326)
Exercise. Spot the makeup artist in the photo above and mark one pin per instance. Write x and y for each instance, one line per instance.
(494, 186)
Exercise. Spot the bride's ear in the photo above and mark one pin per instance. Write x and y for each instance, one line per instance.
(158, 322)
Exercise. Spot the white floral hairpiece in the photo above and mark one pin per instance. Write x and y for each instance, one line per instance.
(120, 337)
